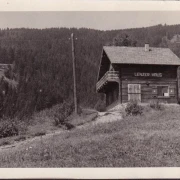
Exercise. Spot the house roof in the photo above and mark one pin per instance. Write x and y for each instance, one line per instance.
(175, 39)
(3, 68)
(138, 55)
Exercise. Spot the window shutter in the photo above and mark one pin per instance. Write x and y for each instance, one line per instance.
(130, 88)
(171, 91)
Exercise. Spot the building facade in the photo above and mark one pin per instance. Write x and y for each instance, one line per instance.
(7, 78)
(138, 73)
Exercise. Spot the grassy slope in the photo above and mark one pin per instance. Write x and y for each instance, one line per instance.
(42, 123)
(150, 140)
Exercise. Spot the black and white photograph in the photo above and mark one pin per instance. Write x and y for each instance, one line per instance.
(90, 88)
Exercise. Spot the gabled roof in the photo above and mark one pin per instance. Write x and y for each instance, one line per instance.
(175, 39)
(3, 68)
(138, 55)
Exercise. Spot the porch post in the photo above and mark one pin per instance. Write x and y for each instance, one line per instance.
(120, 87)
(120, 91)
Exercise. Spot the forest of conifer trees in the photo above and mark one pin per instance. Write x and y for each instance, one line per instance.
(43, 62)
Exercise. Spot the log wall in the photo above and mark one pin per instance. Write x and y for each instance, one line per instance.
(166, 76)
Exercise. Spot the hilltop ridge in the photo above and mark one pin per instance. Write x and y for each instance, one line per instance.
(43, 61)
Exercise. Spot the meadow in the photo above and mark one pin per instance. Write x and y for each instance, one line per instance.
(148, 140)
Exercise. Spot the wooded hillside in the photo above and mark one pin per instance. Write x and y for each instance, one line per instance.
(43, 62)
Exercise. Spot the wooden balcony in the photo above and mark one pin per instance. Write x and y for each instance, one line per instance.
(109, 76)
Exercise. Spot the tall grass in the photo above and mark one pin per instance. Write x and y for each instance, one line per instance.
(150, 140)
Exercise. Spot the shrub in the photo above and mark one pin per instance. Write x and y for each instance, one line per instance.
(156, 105)
(100, 106)
(5, 142)
(40, 133)
(68, 125)
(61, 112)
(8, 128)
(133, 108)
(22, 126)
(20, 138)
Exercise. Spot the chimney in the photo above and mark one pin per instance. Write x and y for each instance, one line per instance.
(146, 47)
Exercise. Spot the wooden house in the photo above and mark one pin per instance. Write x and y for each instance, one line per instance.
(175, 39)
(138, 73)
(7, 79)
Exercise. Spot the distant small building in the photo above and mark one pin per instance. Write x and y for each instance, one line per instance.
(138, 73)
(7, 79)
(175, 39)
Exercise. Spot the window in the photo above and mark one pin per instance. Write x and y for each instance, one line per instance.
(163, 91)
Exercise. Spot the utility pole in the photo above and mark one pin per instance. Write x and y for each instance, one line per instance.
(74, 74)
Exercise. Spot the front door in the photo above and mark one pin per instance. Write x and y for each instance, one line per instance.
(134, 92)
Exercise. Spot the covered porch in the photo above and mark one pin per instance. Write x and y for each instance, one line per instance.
(110, 85)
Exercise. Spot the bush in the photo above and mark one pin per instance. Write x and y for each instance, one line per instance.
(5, 142)
(156, 105)
(100, 106)
(8, 128)
(61, 112)
(40, 133)
(20, 138)
(22, 126)
(133, 109)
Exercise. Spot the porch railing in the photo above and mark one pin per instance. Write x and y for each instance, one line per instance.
(109, 76)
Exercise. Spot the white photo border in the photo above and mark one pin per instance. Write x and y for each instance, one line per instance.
(89, 5)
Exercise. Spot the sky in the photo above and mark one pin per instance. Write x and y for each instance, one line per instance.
(95, 20)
